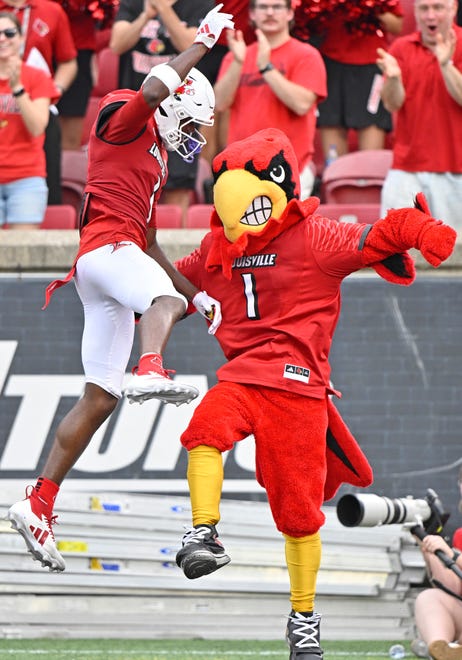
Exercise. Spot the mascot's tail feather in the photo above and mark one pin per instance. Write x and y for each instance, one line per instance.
(346, 462)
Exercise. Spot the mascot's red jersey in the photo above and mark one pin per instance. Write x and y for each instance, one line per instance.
(282, 302)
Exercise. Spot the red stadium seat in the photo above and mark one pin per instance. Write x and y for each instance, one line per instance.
(107, 72)
(107, 79)
(102, 38)
(169, 216)
(198, 216)
(73, 177)
(356, 177)
(90, 116)
(61, 216)
(367, 213)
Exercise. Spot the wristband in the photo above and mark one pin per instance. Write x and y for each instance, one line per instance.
(19, 92)
(167, 75)
(268, 67)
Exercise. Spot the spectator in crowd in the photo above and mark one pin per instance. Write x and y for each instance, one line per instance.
(149, 32)
(438, 610)
(73, 104)
(240, 11)
(354, 81)
(48, 45)
(120, 270)
(26, 94)
(217, 134)
(423, 88)
(277, 81)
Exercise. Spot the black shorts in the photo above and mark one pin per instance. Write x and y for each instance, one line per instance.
(180, 173)
(74, 101)
(350, 91)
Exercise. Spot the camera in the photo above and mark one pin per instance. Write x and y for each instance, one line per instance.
(368, 510)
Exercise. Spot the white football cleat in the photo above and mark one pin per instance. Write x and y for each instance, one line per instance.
(35, 528)
(152, 381)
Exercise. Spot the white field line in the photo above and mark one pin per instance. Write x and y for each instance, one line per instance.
(216, 655)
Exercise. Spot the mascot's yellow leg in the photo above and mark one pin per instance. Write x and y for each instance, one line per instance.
(303, 557)
(205, 479)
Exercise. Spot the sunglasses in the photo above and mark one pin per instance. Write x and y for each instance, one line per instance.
(9, 32)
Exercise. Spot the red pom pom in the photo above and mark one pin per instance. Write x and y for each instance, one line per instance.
(102, 11)
(359, 16)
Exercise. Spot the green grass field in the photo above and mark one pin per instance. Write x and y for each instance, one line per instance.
(115, 649)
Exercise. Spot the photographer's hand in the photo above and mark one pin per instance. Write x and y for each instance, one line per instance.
(433, 542)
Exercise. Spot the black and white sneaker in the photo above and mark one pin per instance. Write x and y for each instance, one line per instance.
(202, 553)
(302, 636)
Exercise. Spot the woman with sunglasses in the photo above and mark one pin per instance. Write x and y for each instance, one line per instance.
(25, 97)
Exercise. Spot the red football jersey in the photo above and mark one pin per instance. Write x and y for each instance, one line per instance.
(126, 172)
(281, 306)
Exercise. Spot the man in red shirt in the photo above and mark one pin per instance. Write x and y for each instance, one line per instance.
(423, 88)
(120, 270)
(275, 81)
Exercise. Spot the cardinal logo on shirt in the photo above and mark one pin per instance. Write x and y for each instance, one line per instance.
(40, 27)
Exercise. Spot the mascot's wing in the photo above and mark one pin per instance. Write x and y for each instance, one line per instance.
(386, 243)
(346, 463)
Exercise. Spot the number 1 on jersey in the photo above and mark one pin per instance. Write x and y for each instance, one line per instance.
(250, 291)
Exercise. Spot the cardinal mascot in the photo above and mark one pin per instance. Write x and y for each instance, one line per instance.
(277, 266)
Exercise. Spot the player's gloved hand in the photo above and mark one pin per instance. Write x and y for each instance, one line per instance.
(209, 308)
(212, 26)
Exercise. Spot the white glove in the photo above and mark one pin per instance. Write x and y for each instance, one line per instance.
(212, 26)
(209, 308)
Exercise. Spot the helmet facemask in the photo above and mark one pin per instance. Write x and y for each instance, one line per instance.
(186, 140)
(178, 117)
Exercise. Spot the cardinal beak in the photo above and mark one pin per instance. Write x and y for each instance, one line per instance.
(246, 203)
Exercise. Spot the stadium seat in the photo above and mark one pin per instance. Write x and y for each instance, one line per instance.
(367, 213)
(103, 38)
(90, 116)
(107, 72)
(107, 79)
(356, 177)
(169, 216)
(73, 177)
(198, 216)
(61, 216)
(352, 137)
